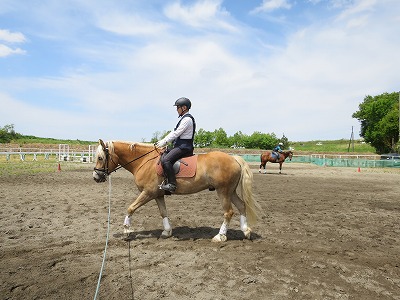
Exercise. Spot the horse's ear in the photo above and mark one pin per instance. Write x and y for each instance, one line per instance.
(102, 143)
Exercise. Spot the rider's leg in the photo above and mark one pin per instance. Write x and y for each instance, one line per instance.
(167, 162)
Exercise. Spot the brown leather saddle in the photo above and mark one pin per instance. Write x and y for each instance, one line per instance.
(184, 167)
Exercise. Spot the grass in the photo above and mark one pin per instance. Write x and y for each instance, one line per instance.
(334, 146)
(38, 140)
(14, 166)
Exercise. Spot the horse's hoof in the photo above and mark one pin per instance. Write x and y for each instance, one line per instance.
(128, 231)
(166, 234)
(247, 234)
(219, 238)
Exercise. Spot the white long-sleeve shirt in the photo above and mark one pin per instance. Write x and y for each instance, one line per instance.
(184, 131)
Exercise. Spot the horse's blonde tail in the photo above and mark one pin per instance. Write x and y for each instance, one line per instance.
(253, 209)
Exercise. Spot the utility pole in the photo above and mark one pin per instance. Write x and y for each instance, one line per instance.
(351, 141)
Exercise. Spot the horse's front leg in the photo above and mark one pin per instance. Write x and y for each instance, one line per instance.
(262, 166)
(141, 200)
(280, 167)
(163, 212)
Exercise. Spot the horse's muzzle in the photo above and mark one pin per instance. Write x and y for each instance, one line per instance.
(99, 175)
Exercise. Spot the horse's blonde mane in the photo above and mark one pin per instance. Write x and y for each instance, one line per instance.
(110, 145)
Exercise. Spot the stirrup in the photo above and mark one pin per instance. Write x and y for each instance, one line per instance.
(169, 187)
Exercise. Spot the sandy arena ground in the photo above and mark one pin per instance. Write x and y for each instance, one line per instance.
(327, 233)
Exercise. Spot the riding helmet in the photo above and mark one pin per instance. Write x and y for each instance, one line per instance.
(183, 101)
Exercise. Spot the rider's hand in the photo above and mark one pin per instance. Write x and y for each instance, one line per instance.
(160, 144)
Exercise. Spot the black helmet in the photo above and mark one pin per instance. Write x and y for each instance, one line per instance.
(183, 101)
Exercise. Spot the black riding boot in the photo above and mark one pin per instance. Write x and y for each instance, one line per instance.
(170, 173)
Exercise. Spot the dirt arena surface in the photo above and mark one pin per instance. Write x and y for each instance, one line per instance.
(327, 233)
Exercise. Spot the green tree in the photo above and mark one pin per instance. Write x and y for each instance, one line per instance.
(285, 141)
(220, 138)
(379, 121)
(238, 139)
(261, 140)
(203, 138)
(7, 133)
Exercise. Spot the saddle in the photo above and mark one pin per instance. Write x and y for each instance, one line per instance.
(275, 155)
(184, 167)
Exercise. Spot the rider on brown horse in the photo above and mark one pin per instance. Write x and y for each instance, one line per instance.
(277, 150)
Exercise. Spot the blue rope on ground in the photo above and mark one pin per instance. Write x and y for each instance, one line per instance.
(108, 234)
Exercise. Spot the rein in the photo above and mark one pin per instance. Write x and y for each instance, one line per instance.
(108, 156)
(121, 166)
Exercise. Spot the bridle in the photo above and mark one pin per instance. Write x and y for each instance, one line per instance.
(104, 172)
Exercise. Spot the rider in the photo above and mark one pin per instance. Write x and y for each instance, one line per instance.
(182, 136)
(278, 149)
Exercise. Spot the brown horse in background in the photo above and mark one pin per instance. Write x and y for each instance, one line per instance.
(271, 156)
(230, 176)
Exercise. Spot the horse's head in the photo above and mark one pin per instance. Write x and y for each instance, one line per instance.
(290, 155)
(105, 163)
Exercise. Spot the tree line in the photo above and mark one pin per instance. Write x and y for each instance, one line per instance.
(220, 139)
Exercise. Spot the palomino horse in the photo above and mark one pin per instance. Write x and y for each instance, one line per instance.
(215, 170)
(268, 156)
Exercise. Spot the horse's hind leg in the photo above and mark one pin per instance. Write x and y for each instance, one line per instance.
(227, 206)
(163, 212)
(243, 220)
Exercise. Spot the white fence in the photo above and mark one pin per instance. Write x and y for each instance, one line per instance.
(63, 153)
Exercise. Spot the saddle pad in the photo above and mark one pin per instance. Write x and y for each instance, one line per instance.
(187, 168)
(275, 155)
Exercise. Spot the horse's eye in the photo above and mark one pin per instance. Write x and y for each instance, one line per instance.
(100, 158)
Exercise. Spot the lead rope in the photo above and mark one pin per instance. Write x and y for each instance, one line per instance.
(130, 269)
(107, 237)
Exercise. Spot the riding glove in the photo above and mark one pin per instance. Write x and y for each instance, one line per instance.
(161, 143)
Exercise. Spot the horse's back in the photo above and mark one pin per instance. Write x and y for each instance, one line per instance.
(265, 155)
(217, 162)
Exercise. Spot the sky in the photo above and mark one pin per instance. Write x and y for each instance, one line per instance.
(91, 69)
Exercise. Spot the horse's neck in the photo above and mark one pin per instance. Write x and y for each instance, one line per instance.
(132, 154)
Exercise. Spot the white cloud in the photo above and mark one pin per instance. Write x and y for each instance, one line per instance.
(11, 37)
(271, 5)
(129, 24)
(6, 51)
(202, 14)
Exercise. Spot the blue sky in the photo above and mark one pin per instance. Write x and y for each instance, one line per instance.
(90, 69)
